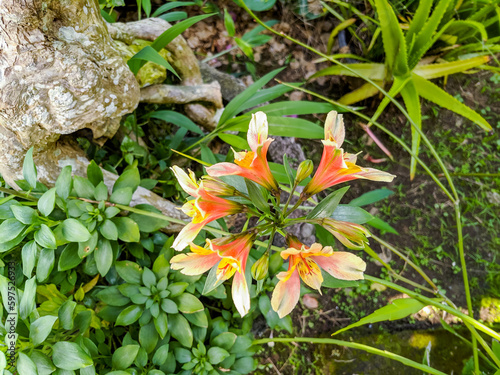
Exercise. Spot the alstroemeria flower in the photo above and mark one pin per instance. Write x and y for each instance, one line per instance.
(352, 236)
(203, 209)
(251, 164)
(336, 166)
(305, 263)
(229, 255)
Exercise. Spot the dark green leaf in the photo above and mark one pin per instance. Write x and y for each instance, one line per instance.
(187, 303)
(129, 271)
(180, 330)
(103, 255)
(45, 264)
(182, 355)
(111, 295)
(199, 319)
(129, 315)
(69, 258)
(371, 197)
(216, 355)
(258, 196)
(177, 119)
(331, 282)
(148, 337)
(161, 324)
(65, 314)
(352, 214)
(328, 205)
(29, 169)
(108, 230)
(128, 230)
(225, 340)
(70, 356)
(259, 6)
(148, 224)
(128, 179)
(94, 173)
(124, 356)
(168, 6)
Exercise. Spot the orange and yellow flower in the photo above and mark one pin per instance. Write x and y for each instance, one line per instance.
(229, 255)
(203, 209)
(251, 164)
(336, 166)
(305, 263)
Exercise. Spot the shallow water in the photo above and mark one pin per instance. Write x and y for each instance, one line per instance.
(447, 353)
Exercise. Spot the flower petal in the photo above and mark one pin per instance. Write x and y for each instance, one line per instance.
(187, 235)
(188, 183)
(257, 130)
(194, 264)
(342, 265)
(241, 294)
(310, 273)
(224, 169)
(334, 128)
(286, 294)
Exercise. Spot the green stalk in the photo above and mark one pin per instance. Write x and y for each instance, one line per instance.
(353, 345)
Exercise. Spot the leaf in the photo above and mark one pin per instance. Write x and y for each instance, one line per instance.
(287, 108)
(229, 23)
(177, 119)
(64, 182)
(148, 337)
(419, 19)
(47, 202)
(328, 205)
(148, 224)
(108, 230)
(43, 364)
(101, 192)
(381, 225)
(216, 355)
(148, 53)
(290, 173)
(40, 329)
(124, 356)
(69, 258)
(259, 6)
(70, 356)
(27, 304)
(94, 173)
(161, 324)
(180, 330)
(398, 309)
(225, 340)
(122, 196)
(371, 197)
(74, 231)
(113, 296)
(45, 237)
(28, 256)
(65, 314)
(45, 264)
(29, 169)
(128, 230)
(331, 282)
(128, 179)
(412, 103)
(199, 319)
(83, 187)
(104, 257)
(170, 34)
(187, 303)
(235, 106)
(258, 196)
(10, 229)
(431, 71)
(129, 315)
(168, 6)
(25, 365)
(24, 214)
(433, 93)
(372, 71)
(129, 271)
(352, 214)
(234, 140)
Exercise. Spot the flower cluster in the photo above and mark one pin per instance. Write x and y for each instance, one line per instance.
(229, 255)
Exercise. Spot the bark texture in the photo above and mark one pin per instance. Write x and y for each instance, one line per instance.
(59, 73)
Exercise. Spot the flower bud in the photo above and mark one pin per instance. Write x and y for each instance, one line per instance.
(261, 267)
(304, 170)
(217, 187)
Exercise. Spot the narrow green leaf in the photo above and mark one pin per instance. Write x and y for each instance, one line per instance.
(70, 356)
(148, 224)
(148, 53)
(371, 197)
(431, 71)
(352, 214)
(28, 256)
(29, 169)
(94, 173)
(328, 205)
(288, 108)
(64, 182)
(331, 282)
(258, 195)
(177, 119)
(27, 304)
(398, 309)
(372, 70)
(168, 6)
(412, 103)
(290, 173)
(229, 23)
(45, 264)
(234, 141)
(65, 314)
(433, 93)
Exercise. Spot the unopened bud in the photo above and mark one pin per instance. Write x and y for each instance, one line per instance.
(217, 187)
(261, 267)
(304, 170)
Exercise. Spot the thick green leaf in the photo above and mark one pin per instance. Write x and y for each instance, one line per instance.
(234, 140)
(64, 182)
(29, 169)
(238, 103)
(371, 197)
(398, 309)
(111, 295)
(129, 315)
(45, 264)
(27, 304)
(148, 53)
(122, 196)
(328, 205)
(418, 21)
(225, 340)
(69, 258)
(258, 196)
(352, 214)
(381, 225)
(161, 324)
(24, 214)
(10, 229)
(128, 179)
(129, 271)
(101, 192)
(124, 356)
(187, 303)
(216, 355)
(199, 319)
(83, 187)
(74, 231)
(28, 256)
(44, 365)
(433, 93)
(148, 337)
(108, 230)
(177, 119)
(45, 237)
(47, 202)
(128, 230)
(25, 365)
(65, 314)
(103, 256)
(180, 330)
(331, 282)
(40, 329)
(94, 173)
(182, 355)
(432, 71)
(70, 356)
